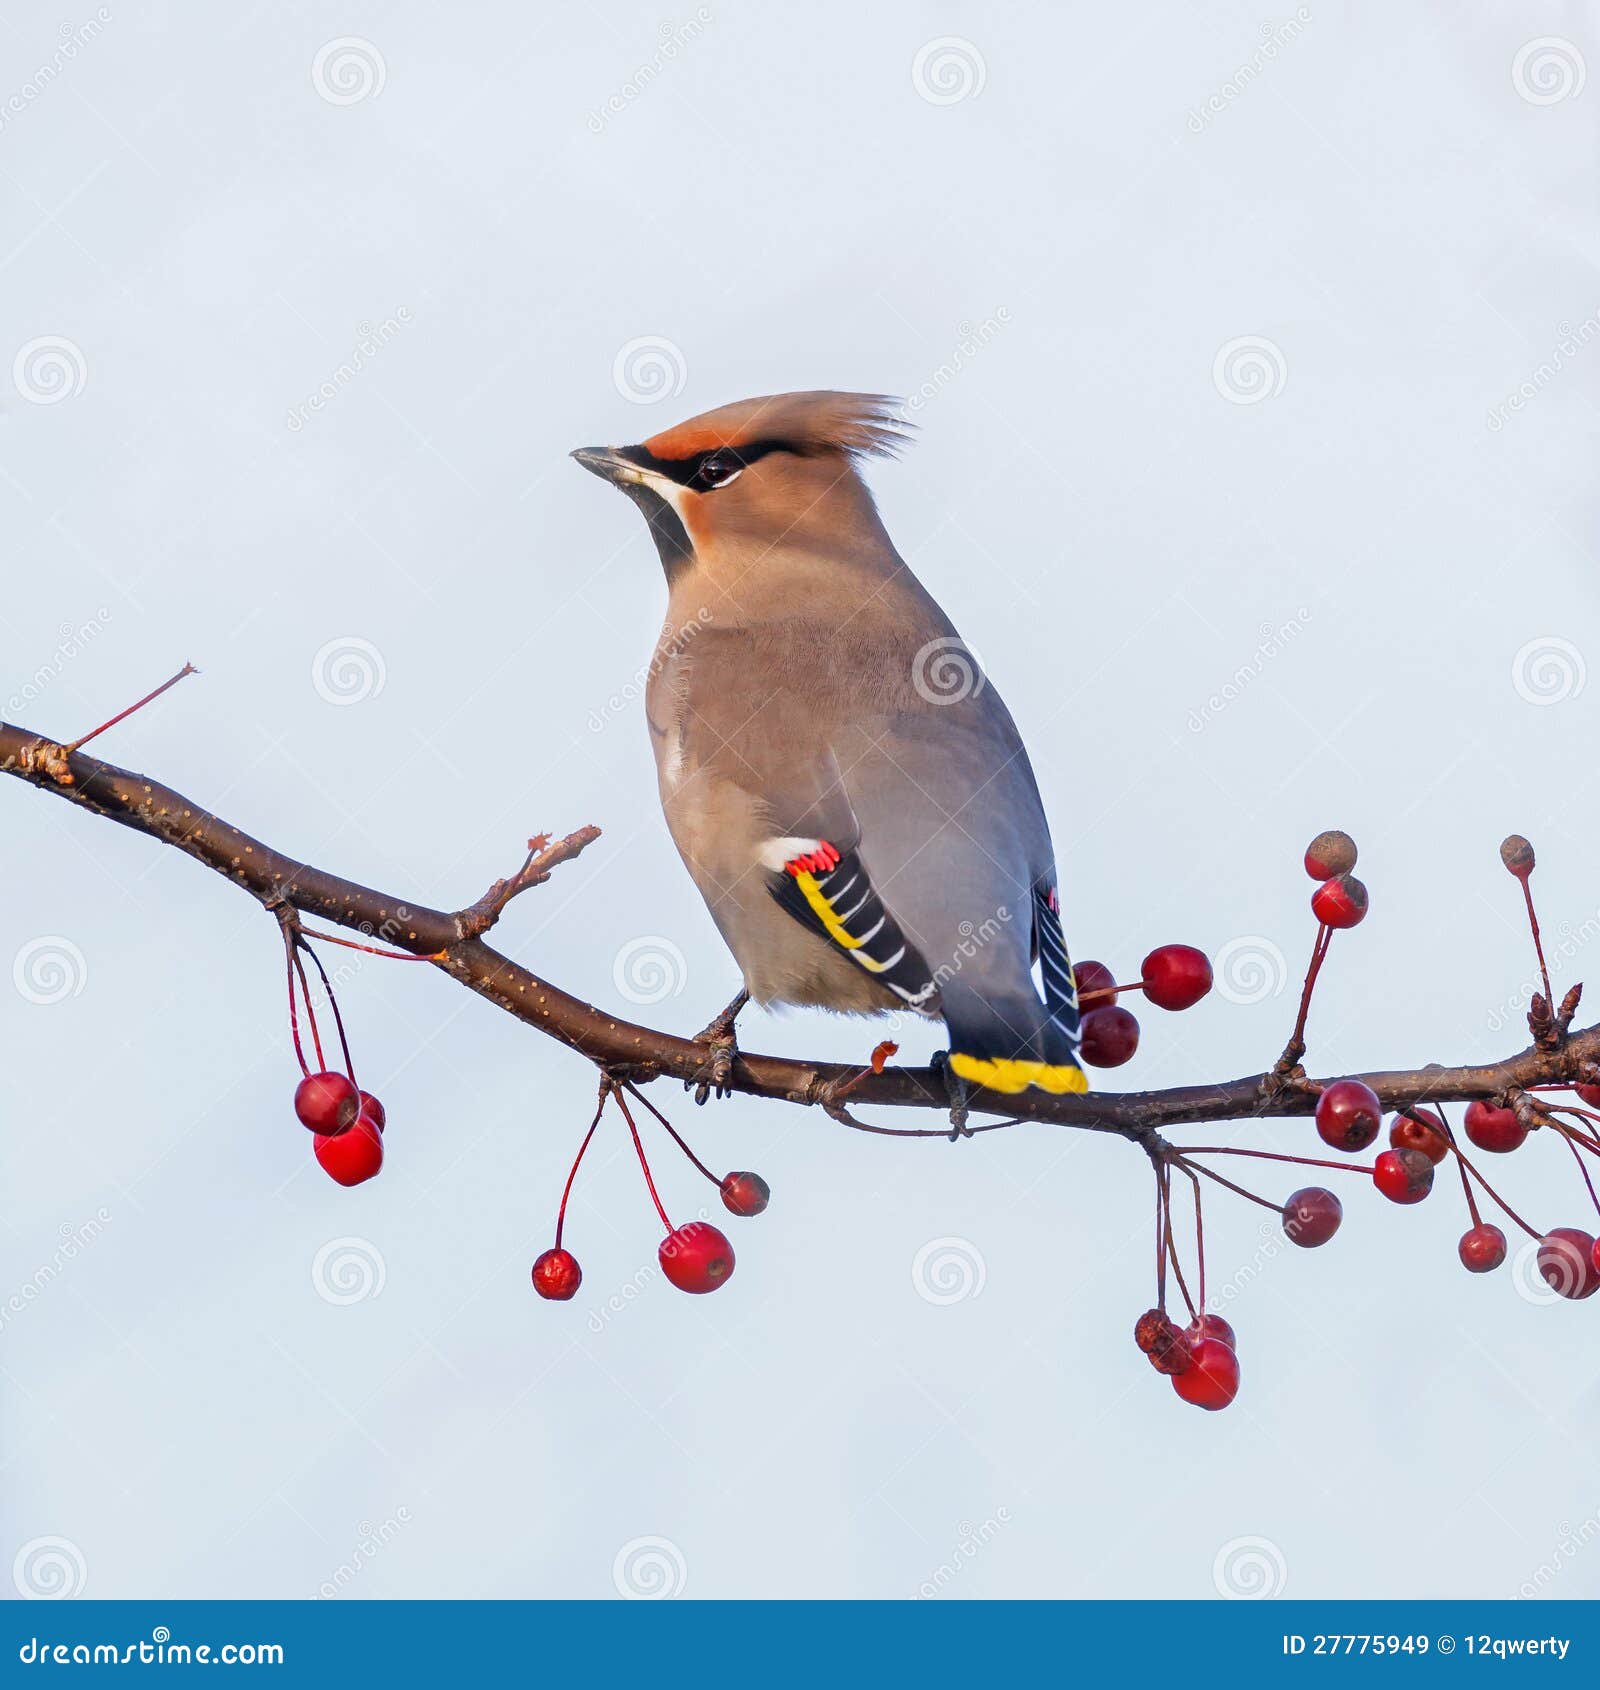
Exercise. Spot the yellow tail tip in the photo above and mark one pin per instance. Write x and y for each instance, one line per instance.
(1010, 1074)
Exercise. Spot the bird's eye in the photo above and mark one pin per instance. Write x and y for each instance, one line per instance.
(717, 471)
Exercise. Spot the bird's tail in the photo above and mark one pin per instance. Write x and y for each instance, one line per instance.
(1013, 1045)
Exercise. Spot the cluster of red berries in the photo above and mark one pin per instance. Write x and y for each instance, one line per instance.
(1172, 977)
(348, 1124)
(695, 1257)
(1201, 1359)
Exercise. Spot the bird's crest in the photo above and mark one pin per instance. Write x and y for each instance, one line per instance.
(855, 425)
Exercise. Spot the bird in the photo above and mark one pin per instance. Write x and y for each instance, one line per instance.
(840, 776)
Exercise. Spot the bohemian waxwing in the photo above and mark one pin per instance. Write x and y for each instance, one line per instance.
(846, 788)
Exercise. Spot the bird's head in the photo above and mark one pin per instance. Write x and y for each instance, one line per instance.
(760, 477)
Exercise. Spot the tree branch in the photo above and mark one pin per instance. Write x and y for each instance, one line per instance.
(452, 942)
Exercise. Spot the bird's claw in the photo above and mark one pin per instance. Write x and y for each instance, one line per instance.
(722, 1042)
(956, 1090)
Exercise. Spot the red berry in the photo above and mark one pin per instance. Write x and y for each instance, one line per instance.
(1421, 1130)
(1403, 1176)
(1211, 1380)
(1212, 1326)
(745, 1194)
(1176, 976)
(1348, 1115)
(1095, 977)
(1566, 1262)
(354, 1155)
(327, 1103)
(557, 1276)
(1312, 1216)
(1340, 903)
(1589, 1095)
(1493, 1129)
(1150, 1330)
(1110, 1036)
(1330, 854)
(1482, 1249)
(374, 1110)
(696, 1257)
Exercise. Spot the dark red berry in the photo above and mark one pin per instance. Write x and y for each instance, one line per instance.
(354, 1155)
(1348, 1115)
(557, 1276)
(745, 1194)
(1566, 1262)
(1403, 1176)
(1176, 976)
(1330, 854)
(1211, 1326)
(374, 1110)
(1095, 977)
(696, 1257)
(1492, 1128)
(1173, 1354)
(1421, 1130)
(1517, 854)
(1211, 1380)
(1110, 1036)
(327, 1103)
(1589, 1095)
(1312, 1216)
(1340, 903)
(1482, 1249)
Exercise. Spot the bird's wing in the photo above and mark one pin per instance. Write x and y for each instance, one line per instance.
(909, 834)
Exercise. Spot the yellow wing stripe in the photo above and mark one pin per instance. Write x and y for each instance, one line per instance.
(824, 912)
(1011, 1074)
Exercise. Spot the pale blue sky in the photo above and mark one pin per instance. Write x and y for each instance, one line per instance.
(1224, 616)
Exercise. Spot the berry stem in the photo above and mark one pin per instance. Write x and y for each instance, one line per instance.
(1296, 1048)
(1493, 1194)
(1161, 1237)
(338, 1019)
(1265, 1202)
(678, 1138)
(1109, 991)
(371, 950)
(622, 1104)
(1461, 1168)
(1538, 944)
(572, 1172)
(122, 715)
(294, 1015)
(1270, 1156)
(311, 1014)
(1582, 1167)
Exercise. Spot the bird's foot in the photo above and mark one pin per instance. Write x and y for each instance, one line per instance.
(956, 1090)
(722, 1041)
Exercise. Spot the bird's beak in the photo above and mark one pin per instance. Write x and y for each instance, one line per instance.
(610, 463)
